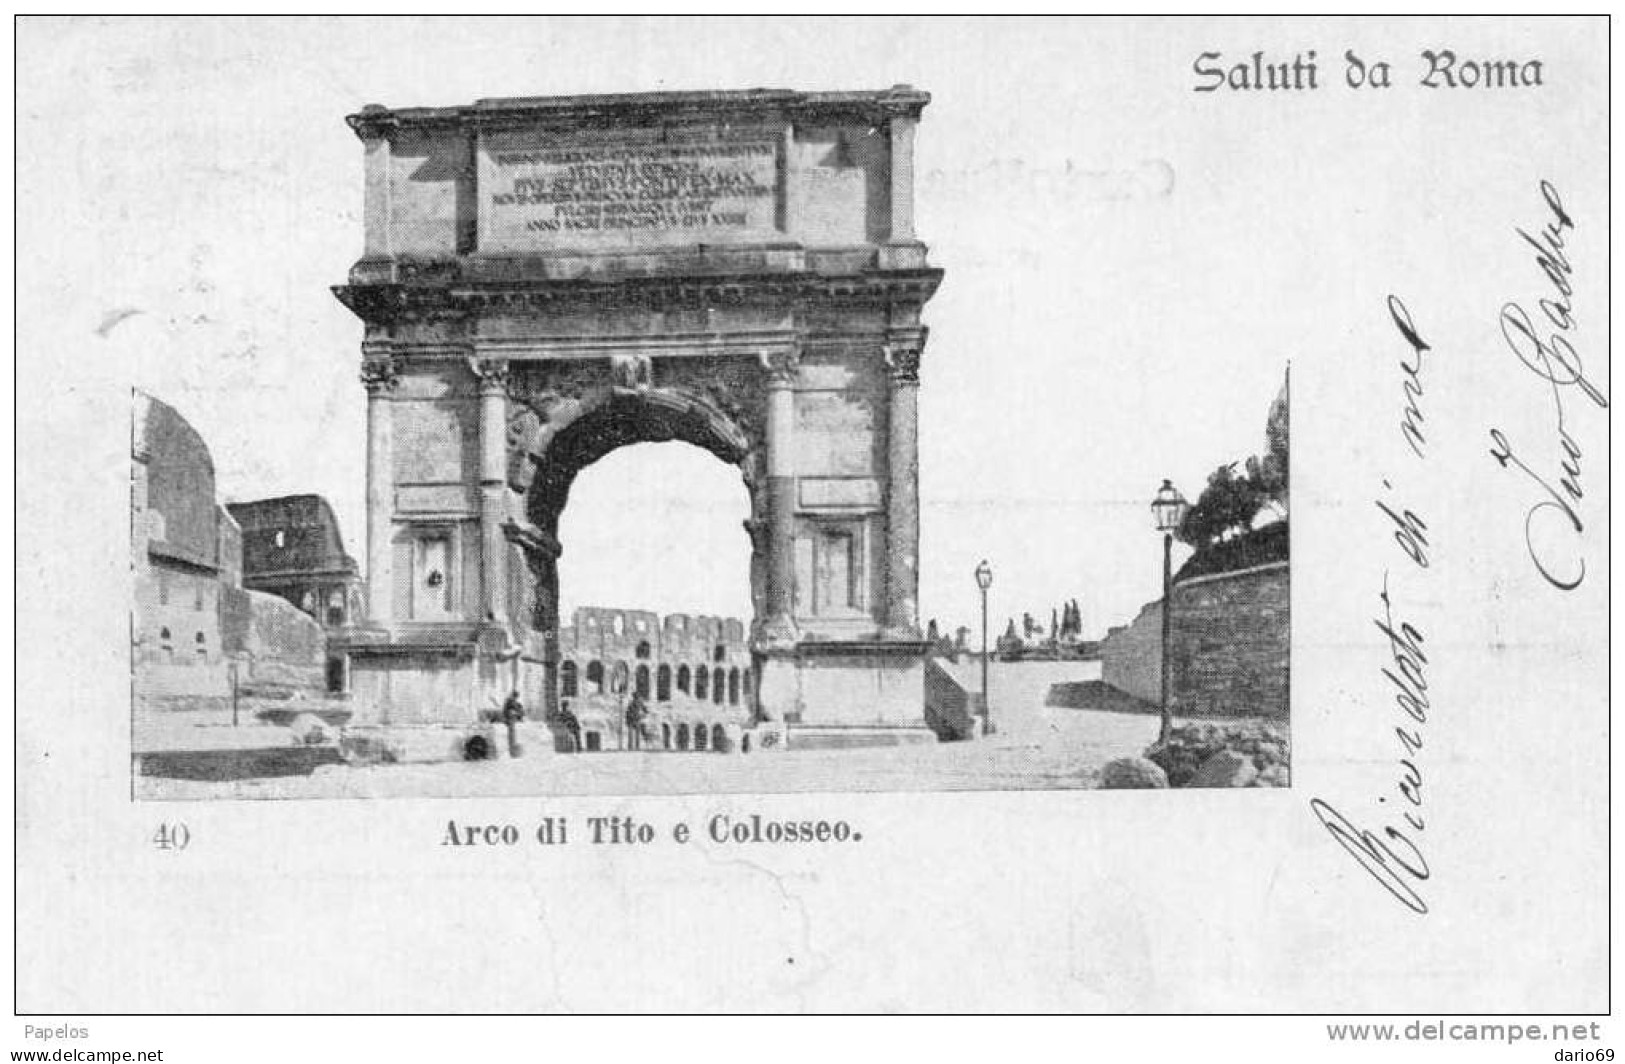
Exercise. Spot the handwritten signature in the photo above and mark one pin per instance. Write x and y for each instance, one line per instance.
(1544, 348)
(1393, 856)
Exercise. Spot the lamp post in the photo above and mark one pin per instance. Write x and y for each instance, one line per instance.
(984, 580)
(1169, 510)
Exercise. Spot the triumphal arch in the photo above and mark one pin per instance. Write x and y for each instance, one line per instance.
(546, 280)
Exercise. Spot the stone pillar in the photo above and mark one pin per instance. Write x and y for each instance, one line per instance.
(902, 178)
(540, 551)
(778, 687)
(903, 490)
(376, 201)
(492, 375)
(380, 374)
(781, 499)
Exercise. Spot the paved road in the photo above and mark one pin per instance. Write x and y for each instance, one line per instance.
(1035, 747)
(1018, 690)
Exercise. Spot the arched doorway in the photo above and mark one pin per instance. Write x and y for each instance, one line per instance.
(654, 536)
(614, 424)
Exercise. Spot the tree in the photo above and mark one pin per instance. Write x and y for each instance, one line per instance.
(1230, 502)
(1272, 470)
(1227, 505)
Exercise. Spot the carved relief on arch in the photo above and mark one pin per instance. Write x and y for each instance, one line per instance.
(541, 397)
(728, 397)
(524, 426)
(734, 388)
(632, 371)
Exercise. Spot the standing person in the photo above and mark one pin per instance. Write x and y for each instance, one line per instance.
(635, 712)
(513, 711)
(572, 728)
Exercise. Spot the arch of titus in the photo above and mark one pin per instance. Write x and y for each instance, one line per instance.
(548, 279)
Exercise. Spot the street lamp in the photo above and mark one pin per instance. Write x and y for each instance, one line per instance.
(984, 580)
(1169, 510)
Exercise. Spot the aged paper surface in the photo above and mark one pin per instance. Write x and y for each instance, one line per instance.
(954, 298)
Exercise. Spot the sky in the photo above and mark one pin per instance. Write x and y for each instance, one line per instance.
(1126, 280)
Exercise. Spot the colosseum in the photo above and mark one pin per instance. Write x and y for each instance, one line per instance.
(693, 673)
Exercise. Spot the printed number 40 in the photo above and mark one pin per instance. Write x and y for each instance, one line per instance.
(172, 837)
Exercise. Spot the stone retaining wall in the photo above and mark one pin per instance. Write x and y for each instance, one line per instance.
(1230, 640)
(1131, 655)
(1231, 644)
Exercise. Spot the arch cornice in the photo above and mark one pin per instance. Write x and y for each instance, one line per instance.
(442, 293)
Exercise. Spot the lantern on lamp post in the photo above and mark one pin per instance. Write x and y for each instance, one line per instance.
(984, 580)
(1168, 508)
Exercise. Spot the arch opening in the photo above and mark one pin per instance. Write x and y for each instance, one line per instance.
(657, 528)
(627, 486)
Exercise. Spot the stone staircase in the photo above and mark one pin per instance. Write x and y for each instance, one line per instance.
(950, 710)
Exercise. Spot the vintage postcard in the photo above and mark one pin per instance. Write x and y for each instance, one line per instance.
(717, 503)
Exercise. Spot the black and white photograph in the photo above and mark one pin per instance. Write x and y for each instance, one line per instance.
(604, 297)
(784, 488)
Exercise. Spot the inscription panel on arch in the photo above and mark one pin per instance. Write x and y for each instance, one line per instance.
(541, 192)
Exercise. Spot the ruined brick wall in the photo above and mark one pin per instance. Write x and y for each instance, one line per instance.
(229, 548)
(176, 540)
(180, 520)
(1230, 643)
(280, 645)
(1131, 655)
(176, 648)
(294, 534)
(236, 620)
(619, 652)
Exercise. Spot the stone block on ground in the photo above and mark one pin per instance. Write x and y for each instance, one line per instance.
(535, 738)
(310, 730)
(1227, 768)
(1133, 773)
(1273, 776)
(1190, 746)
(392, 745)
